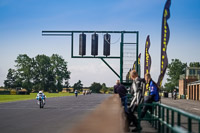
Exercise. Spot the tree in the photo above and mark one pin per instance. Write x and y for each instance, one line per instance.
(78, 86)
(104, 88)
(169, 87)
(194, 64)
(39, 73)
(110, 89)
(11, 78)
(24, 70)
(59, 71)
(175, 69)
(95, 87)
(42, 71)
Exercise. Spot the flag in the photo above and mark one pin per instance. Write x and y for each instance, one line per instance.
(139, 70)
(134, 66)
(147, 61)
(128, 75)
(165, 34)
(139, 56)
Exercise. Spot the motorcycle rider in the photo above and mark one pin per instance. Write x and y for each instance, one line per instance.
(76, 93)
(41, 94)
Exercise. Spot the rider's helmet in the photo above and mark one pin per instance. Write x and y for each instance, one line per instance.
(40, 92)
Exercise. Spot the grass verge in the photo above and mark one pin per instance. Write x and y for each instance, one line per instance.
(12, 98)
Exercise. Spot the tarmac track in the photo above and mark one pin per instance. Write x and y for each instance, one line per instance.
(58, 115)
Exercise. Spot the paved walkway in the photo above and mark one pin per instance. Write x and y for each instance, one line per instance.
(190, 106)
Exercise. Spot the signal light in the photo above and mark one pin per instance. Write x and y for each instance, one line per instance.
(106, 47)
(94, 45)
(82, 44)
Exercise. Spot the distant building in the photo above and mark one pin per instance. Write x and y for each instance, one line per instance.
(193, 90)
(192, 74)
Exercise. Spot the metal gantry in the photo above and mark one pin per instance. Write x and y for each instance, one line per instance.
(121, 54)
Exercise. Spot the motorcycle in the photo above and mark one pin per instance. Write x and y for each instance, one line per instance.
(41, 101)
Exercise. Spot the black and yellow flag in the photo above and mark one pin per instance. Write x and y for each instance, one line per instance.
(139, 69)
(164, 41)
(134, 64)
(147, 62)
(133, 68)
(147, 59)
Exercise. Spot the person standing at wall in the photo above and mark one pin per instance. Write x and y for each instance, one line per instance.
(122, 91)
(116, 86)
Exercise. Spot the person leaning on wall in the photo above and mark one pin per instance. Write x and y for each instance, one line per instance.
(122, 91)
(116, 86)
(153, 95)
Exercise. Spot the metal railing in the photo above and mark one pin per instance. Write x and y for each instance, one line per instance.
(169, 119)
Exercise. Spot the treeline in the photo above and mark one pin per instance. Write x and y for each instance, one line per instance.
(95, 87)
(100, 88)
(39, 73)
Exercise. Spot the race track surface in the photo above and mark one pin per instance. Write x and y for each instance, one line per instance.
(58, 115)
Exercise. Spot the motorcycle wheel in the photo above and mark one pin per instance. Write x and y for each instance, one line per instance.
(40, 104)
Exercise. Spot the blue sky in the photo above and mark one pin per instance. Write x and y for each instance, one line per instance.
(21, 23)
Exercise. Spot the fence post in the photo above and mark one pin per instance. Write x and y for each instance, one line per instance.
(153, 115)
(159, 116)
(167, 119)
(179, 119)
(172, 119)
(189, 124)
(199, 126)
(163, 118)
(156, 114)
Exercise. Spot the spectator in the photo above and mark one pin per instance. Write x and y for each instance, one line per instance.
(153, 94)
(137, 88)
(122, 91)
(174, 94)
(116, 86)
(136, 91)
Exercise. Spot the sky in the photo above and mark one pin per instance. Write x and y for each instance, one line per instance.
(22, 23)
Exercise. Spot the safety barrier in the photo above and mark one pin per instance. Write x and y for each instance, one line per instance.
(169, 119)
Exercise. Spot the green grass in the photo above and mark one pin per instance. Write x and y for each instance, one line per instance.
(12, 98)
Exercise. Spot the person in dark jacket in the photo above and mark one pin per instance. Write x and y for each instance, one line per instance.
(122, 91)
(116, 86)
